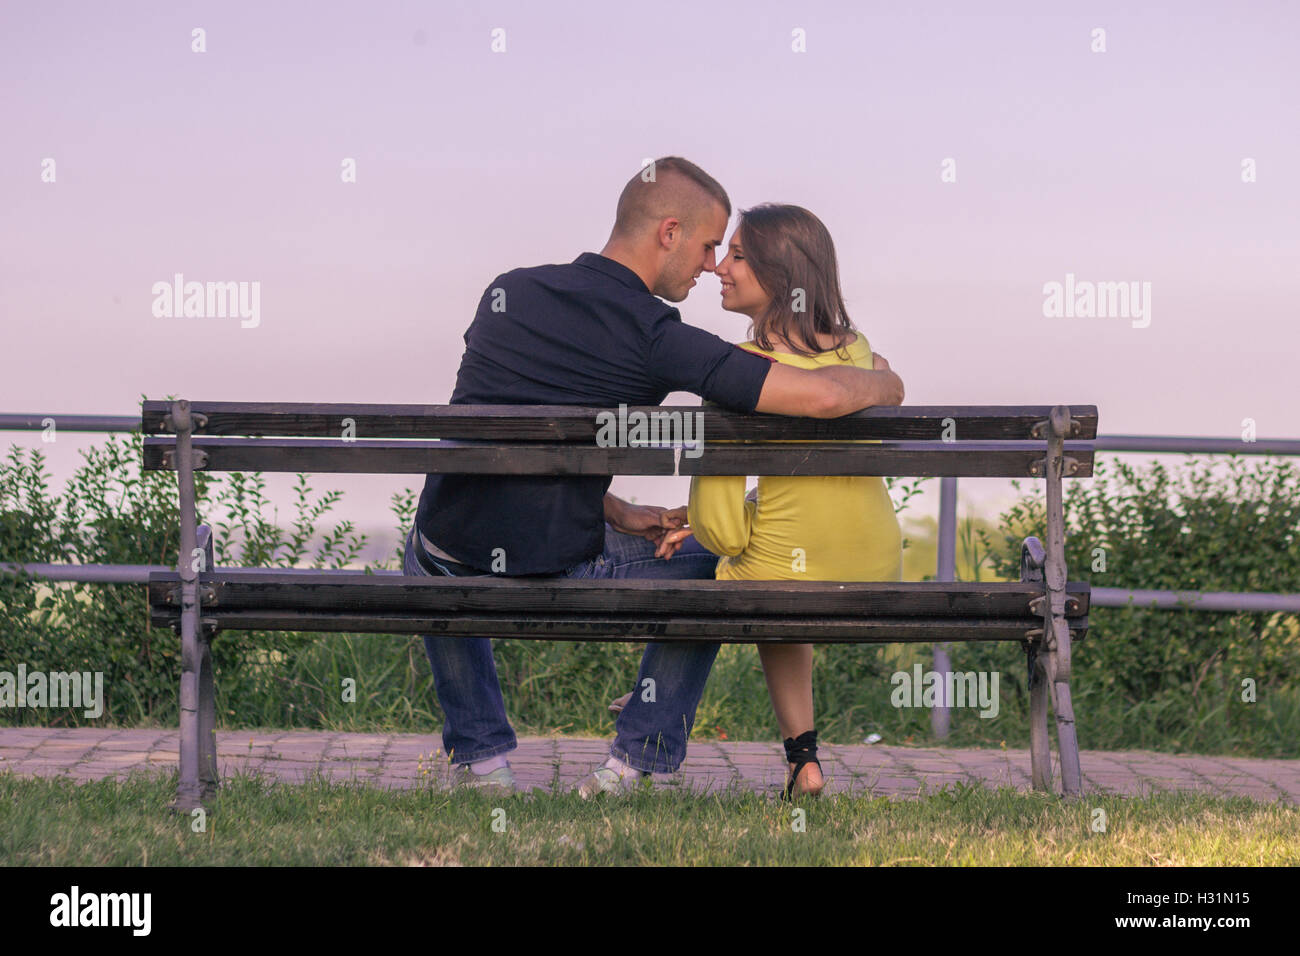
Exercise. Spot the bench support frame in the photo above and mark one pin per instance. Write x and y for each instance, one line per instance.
(198, 717)
(1048, 649)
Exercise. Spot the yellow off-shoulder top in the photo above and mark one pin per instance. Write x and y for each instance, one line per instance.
(837, 528)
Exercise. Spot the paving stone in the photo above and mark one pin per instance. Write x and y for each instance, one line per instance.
(103, 770)
(300, 747)
(110, 757)
(42, 768)
(414, 761)
(889, 782)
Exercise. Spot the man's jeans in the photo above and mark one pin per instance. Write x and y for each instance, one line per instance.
(650, 733)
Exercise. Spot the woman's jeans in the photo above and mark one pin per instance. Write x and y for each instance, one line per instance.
(650, 733)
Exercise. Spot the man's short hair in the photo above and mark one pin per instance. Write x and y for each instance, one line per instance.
(670, 187)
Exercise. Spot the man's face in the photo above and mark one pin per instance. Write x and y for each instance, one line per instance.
(691, 256)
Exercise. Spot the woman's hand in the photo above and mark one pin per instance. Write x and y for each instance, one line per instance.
(671, 542)
(645, 521)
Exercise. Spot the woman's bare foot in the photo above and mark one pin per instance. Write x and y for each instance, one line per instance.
(810, 782)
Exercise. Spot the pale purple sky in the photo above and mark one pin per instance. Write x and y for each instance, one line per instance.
(1124, 165)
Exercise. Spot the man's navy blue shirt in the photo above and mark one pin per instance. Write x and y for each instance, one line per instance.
(585, 333)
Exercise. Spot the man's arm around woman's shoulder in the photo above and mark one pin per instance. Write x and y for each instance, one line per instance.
(829, 392)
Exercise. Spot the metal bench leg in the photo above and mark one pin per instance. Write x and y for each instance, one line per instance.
(209, 778)
(1056, 632)
(1040, 746)
(1040, 743)
(1066, 740)
(189, 792)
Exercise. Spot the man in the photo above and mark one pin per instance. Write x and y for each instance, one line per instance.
(596, 332)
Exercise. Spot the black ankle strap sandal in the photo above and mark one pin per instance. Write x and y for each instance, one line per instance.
(800, 751)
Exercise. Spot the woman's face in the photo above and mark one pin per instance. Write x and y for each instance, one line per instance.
(740, 290)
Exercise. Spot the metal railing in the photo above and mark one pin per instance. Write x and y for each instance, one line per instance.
(1120, 597)
(1222, 601)
(68, 423)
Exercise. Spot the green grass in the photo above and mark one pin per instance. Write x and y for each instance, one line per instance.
(255, 822)
(559, 688)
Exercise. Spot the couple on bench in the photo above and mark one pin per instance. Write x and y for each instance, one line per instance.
(598, 332)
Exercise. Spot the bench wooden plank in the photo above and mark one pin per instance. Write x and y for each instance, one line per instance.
(580, 423)
(398, 457)
(731, 630)
(937, 459)
(360, 592)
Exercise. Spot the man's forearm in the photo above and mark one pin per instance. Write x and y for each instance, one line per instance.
(827, 392)
(863, 388)
(614, 509)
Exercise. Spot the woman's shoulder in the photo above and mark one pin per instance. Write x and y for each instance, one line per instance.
(858, 351)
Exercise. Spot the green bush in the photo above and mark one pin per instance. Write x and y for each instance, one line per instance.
(1173, 680)
(113, 512)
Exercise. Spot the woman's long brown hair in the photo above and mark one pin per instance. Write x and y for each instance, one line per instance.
(791, 255)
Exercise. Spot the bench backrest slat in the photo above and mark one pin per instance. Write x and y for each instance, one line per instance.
(324, 456)
(236, 590)
(581, 424)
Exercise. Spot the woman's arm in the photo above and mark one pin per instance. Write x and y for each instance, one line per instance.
(719, 514)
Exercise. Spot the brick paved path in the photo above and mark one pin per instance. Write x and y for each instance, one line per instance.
(413, 760)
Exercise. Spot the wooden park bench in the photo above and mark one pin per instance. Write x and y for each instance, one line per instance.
(1042, 611)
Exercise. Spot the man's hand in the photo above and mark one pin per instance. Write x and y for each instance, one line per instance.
(646, 521)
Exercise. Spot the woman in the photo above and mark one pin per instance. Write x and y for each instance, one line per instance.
(781, 272)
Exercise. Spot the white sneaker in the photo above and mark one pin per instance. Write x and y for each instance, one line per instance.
(501, 780)
(604, 780)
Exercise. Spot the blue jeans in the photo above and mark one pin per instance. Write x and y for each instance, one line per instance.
(650, 734)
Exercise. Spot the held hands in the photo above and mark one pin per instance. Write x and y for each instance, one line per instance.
(666, 527)
(671, 542)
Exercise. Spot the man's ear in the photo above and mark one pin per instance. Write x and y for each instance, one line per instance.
(671, 231)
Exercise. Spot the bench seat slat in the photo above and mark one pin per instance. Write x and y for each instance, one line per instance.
(335, 456)
(579, 423)
(337, 592)
(734, 630)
